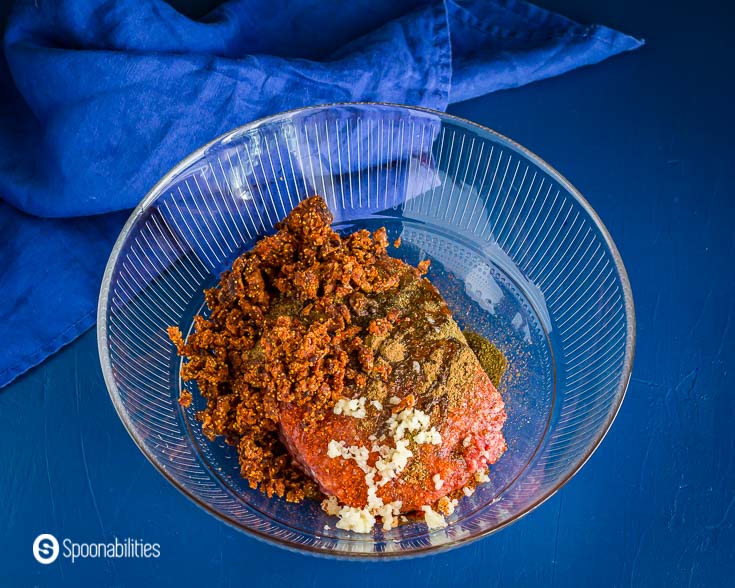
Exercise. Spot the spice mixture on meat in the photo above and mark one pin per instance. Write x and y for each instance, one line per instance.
(335, 368)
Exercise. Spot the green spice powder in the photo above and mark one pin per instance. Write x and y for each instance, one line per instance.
(490, 357)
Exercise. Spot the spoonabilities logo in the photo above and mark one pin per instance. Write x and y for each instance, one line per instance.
(45, 548)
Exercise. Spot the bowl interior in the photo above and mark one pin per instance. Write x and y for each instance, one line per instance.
(517, 253)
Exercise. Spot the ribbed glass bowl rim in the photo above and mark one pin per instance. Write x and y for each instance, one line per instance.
(155, 192)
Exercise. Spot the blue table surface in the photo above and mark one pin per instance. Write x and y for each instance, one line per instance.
(648, 138)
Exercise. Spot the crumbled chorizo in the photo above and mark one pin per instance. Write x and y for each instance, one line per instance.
(287, 325)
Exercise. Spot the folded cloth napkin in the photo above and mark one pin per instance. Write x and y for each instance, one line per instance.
(99, 99)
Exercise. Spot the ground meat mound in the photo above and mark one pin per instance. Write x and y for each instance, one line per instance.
(308, 318)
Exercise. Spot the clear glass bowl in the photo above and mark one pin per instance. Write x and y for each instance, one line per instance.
(517, 252)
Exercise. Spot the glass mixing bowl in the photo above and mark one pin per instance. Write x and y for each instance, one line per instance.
(517, 252)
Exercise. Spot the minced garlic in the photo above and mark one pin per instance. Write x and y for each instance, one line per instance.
(416, 421)
(354, 519)
(433, 519)
(330, 505)
(389, 513)
(431, 437)
(354, 407)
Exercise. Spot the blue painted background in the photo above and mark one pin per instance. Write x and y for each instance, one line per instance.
(648, 138)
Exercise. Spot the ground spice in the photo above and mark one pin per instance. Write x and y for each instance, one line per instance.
(490, 357)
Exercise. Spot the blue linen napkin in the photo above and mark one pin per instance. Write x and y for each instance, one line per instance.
(99, 99)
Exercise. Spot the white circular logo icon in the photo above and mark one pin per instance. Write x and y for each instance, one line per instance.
(45, 548)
